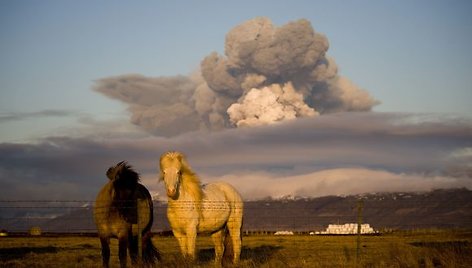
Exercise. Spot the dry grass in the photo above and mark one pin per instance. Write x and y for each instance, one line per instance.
(440, 248)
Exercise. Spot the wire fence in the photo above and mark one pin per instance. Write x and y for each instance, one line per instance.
(62, 233)
(260, 217)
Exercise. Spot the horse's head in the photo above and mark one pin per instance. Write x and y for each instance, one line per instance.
(124, 180)
(171, 169)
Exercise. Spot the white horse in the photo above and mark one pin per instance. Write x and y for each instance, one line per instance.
(215, 208)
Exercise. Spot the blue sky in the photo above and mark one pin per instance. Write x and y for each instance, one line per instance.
(412, 56)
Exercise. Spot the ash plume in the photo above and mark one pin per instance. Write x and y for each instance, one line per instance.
(268, 105)
(268, 74)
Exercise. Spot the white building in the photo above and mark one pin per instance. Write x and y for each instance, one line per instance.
(283, 233)
(348, 228)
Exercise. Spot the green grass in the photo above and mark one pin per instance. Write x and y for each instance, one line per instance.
(432, 248)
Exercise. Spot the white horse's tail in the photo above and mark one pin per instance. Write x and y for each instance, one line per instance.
(233, 229)
(229, 249)
(228, 253)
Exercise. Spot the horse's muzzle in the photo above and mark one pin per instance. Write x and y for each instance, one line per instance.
(171, 193)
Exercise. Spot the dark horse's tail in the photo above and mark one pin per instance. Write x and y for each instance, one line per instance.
(150, 253)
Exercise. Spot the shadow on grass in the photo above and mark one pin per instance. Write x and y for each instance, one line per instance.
(7, 254)
(19, 252)
(457, 246)
(446, 253)
(257, 255)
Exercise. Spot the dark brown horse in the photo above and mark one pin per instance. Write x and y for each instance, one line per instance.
(123, 208)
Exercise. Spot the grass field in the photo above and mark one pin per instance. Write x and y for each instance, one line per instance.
(429, 248)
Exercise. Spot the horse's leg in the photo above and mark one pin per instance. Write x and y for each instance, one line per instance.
(105, 241)
(122, 247)
(181, 237)
(191, 241)
(219, 248)
(234, 227)
(133, 249)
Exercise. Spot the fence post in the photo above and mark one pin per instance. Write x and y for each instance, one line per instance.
(360, 205)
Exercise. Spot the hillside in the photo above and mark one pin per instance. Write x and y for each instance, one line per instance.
(438, 208)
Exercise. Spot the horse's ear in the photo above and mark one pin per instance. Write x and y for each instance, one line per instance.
(110, 173)
(119, 168)
(121, 164)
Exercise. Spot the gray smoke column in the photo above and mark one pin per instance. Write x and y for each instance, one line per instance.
(268, 74)
(161, 105)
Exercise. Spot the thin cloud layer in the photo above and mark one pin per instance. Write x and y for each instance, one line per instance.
(18, 116)
(332, 154)
(268, 74)
(341, 181)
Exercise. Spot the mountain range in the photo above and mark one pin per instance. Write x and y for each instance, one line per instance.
(442, 208)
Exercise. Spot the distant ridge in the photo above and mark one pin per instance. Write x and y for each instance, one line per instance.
(451, 208)
(442, 208)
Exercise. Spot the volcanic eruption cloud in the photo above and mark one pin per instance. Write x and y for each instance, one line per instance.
(268, 74)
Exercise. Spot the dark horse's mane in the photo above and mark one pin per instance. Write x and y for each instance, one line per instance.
(126, 180)
(126, 176)
(129, 173)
